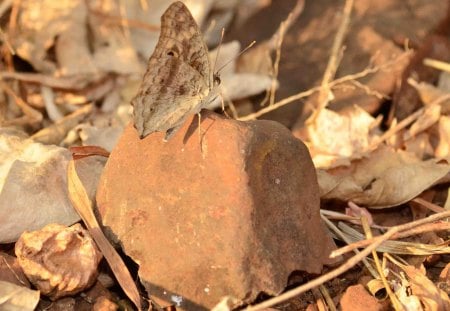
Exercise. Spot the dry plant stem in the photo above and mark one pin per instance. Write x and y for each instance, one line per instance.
(290, 99)
(432, 227)
(6, 41)
(124, 20)
(328, 299)
(436, 64)
(326, 277)
(369, 91)
(277, 40)
(13, 17)
(71, 83)
(31, 115)
(83, 206)
(344, 238)
(333, 62)
(397, 305)
(144, 5)
(400, 228)
(430, 206)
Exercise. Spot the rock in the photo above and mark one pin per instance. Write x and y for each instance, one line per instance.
(357, 298)
(33, 190)
(33, 184)
(233, 215)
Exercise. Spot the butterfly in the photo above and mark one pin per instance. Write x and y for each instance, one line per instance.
(179, 81)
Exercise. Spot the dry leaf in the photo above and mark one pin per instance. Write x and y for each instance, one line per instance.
(335, 139)
(83, 205)
(429, 117)
(40, 22)
(430, 93)
(58, 260)
(17, 298)
(386, 178)
(420, 146)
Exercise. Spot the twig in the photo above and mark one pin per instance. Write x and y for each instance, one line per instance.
(440, 226)
(31, 115)
(333, 62)
(290, 99)
(436, 64)
(369, 91)
(73, 82)
(344, 238)
(397, 305)
(276, 42)
(6, 41)
(400, 228)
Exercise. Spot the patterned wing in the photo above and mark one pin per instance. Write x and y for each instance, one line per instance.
(178, 76)
(181, 36)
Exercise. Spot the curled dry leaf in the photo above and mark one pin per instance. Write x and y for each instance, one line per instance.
(17, 298)
(59, 260)
(431, 297)
(387, 178)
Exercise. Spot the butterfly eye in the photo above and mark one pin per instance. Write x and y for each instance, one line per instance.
(171, 53)
(216, 79)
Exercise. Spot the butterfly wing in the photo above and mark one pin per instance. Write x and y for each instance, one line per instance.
(176, 93)
(178, 76)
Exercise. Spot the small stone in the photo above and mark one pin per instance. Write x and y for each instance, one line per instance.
(358, 298)
(232, 215)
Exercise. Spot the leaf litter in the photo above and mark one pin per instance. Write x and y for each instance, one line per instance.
(81, 62)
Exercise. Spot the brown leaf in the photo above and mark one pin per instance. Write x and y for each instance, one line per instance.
(386, 178)
(83, 206)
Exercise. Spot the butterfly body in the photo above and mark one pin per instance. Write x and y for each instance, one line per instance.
(178, 82)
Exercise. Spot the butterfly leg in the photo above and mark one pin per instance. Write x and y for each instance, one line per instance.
(171, 131)
(200, 136)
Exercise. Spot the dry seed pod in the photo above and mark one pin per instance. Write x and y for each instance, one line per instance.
(58, 260)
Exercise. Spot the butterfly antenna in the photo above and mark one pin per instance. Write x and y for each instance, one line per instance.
(240, 53)
(218, 49)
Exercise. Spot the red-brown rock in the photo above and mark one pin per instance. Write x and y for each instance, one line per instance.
(358, 298)
(233, 215)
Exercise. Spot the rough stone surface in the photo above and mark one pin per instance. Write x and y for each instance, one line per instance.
(231, 216)
(358, 298)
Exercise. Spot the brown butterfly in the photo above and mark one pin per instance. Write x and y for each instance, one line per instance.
(179, 81)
